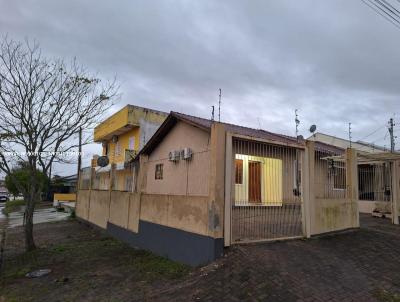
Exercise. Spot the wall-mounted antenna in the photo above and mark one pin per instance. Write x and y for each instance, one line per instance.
(297, 121)
(391, 132)
(212, 113)
(219, 105)
(350, 134)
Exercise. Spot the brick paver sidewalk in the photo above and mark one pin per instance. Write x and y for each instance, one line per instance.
(363, 265)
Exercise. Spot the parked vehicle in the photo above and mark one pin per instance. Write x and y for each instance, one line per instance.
(4, 197)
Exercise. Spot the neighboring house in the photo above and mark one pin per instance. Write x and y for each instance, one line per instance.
(3, 190)
(200, 185)
(63, 190)
(374, 175)
(344, 143)
(122, 135)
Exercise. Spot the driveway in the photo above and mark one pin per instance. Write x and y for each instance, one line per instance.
(361, 265)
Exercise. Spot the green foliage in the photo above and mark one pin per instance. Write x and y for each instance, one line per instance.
(72, 215)
(12, 206)
(22, 176)
(385, 296)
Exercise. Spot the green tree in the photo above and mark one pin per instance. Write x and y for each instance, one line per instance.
(21, 175)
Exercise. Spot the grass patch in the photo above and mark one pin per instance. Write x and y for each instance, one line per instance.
(147, 266)
(90, 261)
(154, 267)
(385, 296)
(12, 206)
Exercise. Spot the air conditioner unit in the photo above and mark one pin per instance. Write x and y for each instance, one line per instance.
(115, 139)
(187, 153)
(174, 156)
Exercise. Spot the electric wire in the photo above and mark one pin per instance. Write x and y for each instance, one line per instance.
(368, 3)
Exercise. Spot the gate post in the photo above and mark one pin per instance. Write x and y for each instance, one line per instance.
(308, 192)
(229, 189)
(352, 184)
(395, 191)
(217, 182)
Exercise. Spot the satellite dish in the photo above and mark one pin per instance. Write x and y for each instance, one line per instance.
(313, 128)
(300, 137)
(102, 161)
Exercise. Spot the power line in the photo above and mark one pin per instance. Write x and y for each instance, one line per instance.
(386, 10)
(381, 14)
(372, 133)
(391, 6)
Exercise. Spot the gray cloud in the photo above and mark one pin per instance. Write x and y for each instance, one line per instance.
(336, 61)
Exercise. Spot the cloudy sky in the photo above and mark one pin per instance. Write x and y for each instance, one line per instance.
(336, 61)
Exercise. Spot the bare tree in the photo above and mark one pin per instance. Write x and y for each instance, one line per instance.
(43, 104)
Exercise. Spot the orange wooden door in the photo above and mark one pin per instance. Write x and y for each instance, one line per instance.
(254, 181)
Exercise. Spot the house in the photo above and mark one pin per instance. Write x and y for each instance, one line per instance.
(63, 190)
(345, 143)
(200, 186)
(121, 136)
(374, 175)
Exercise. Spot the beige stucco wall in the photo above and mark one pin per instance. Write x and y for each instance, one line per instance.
(188, 213)
(190, 196)
(134, 212)
(119, 207)
(183, 177)
(99, 208)
(330, 215)
(82, 204)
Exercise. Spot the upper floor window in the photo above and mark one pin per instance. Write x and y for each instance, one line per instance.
(117, 149)
(131, 143)
(159, 171)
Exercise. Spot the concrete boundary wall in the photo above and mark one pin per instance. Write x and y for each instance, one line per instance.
(323, 215)
(82, 207)
(99, 210)
(119, 208)
(188, 213)
(333, 215)
(185, 228)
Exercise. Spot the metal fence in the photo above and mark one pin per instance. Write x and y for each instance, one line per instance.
(267, 182)
(330, 174)
(375, 181)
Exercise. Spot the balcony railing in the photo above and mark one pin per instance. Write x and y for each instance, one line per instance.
(130, 155)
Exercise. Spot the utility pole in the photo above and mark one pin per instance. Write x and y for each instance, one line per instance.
(350, 134)
(391, 132)
(79, 156)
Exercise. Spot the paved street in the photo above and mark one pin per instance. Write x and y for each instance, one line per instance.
(362, 265)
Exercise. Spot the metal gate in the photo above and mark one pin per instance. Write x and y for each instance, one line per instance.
(266, 202)
(375, 185)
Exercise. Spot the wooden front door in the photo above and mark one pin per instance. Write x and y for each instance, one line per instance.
(254, 181)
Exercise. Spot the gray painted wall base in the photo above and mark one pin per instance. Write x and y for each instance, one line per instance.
(178, 245)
